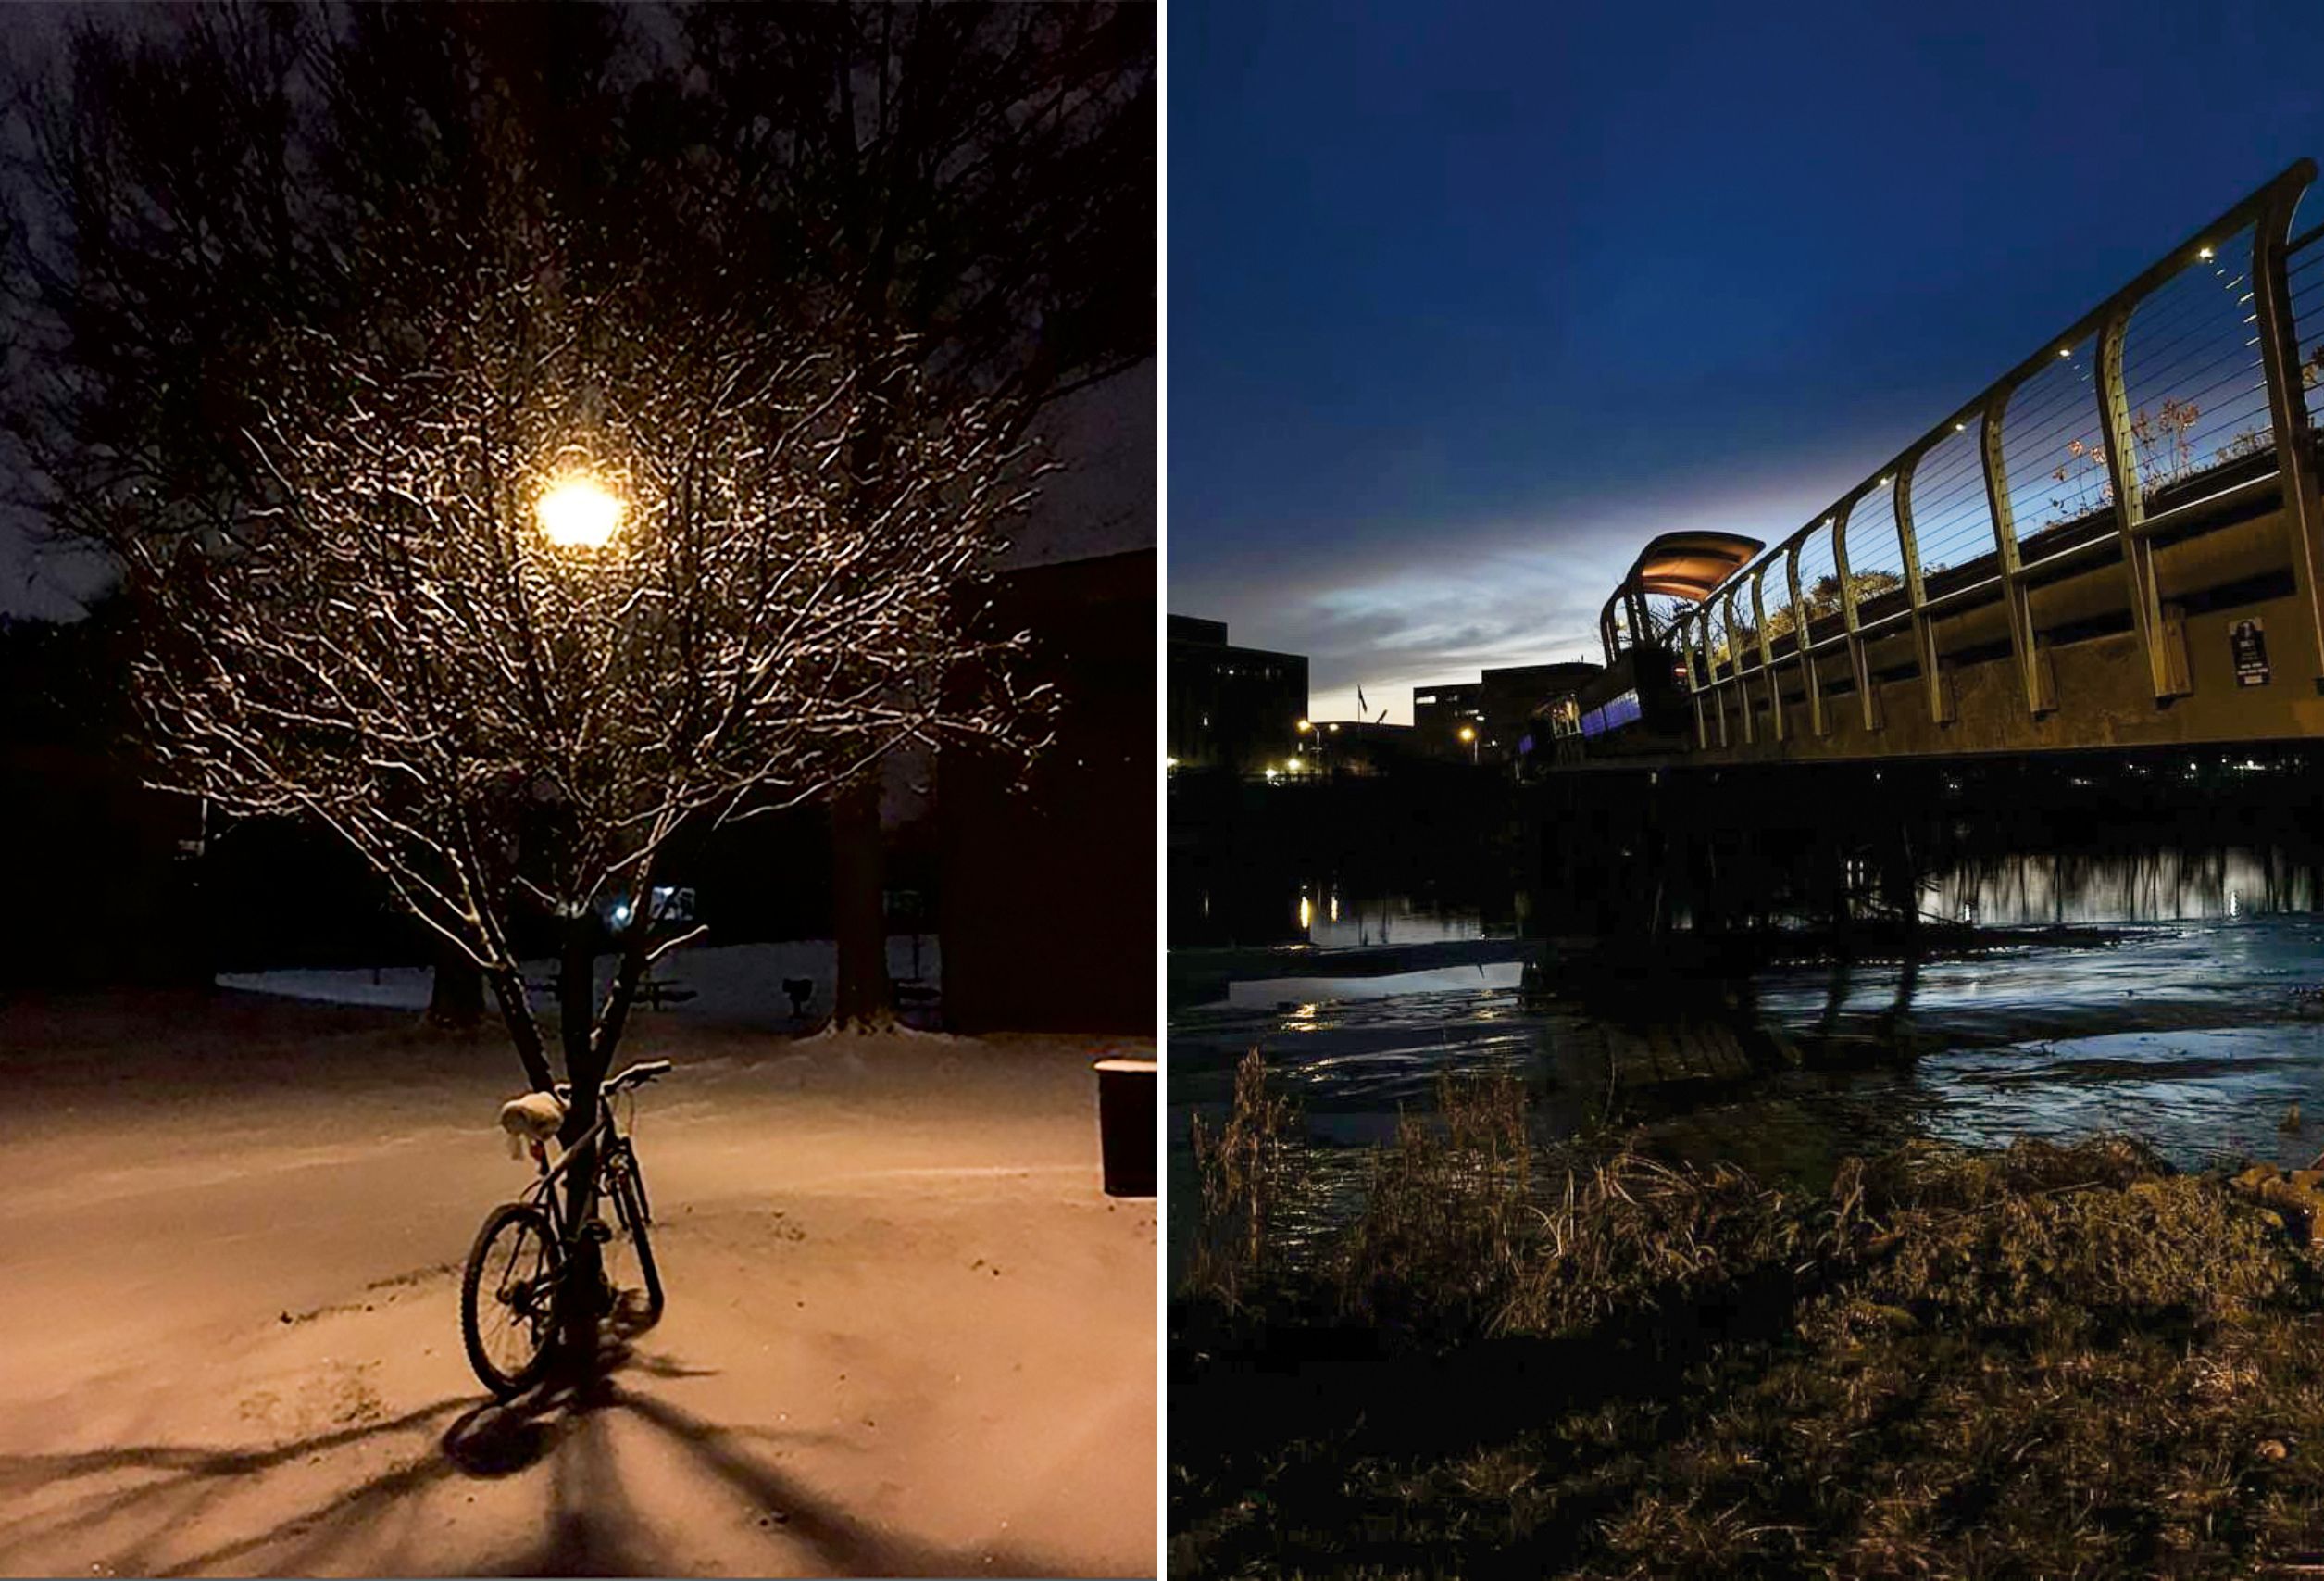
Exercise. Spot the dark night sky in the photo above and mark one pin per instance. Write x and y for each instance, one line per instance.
(1467, 301)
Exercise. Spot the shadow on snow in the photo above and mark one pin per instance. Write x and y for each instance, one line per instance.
(593, 1527)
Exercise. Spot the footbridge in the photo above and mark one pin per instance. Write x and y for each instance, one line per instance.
(2117, 543)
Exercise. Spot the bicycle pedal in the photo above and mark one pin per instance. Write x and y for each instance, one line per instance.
(598, 1231)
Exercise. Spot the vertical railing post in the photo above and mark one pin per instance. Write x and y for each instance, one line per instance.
(1711, 668)
(1816, 722)
(1735, 655)
(1767, 654)
(2287, 412)
(2165, 646)
(2032, 665)
(1710, 665)
(1935, 683)
(1869, 701)
(1691, 628)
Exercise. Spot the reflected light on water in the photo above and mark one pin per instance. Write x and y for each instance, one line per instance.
(1307, 914)
(2159, 886)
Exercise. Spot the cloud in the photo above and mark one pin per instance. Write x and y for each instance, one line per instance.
(1438, 602)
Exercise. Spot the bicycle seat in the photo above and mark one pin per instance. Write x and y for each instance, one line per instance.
(536, 1117)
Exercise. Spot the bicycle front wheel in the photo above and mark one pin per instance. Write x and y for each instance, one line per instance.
(508, 1299)
(637, 1179)
(631, 1243)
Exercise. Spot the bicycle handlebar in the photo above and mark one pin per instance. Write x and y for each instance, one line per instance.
(636, 1075)
(639, 1074)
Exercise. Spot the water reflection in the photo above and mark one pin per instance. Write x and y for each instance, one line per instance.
(2157, 885)
(2189, 1030)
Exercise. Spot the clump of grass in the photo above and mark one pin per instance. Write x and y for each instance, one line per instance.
(2044, 1360)
(1629, 1235)
(2044, 1242)
(1447, 1216)
(1240, 1172)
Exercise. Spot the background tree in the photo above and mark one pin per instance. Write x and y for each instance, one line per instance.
(974, 181)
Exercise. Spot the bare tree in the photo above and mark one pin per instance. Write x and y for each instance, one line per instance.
(958, 200)
(332, 493)
(389, 640)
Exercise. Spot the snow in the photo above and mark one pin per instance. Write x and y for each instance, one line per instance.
(737, 984)
(907, 1332)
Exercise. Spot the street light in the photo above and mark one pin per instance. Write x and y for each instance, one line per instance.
(1469, 733)
(578, 513)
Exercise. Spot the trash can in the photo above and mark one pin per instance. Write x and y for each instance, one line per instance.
(1126, 1130)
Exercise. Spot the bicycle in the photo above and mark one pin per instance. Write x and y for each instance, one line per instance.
(509, 1319)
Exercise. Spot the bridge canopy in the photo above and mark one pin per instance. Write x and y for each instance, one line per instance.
(1691, 565)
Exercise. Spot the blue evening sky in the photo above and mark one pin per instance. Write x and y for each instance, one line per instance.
(1467, 301)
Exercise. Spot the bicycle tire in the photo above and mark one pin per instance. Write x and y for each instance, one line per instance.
(637, 1178)
(628, 1203)
(539, 1317)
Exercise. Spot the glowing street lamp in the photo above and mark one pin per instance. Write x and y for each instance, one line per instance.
(1469, 733)
(578, 513)
(1306, 726)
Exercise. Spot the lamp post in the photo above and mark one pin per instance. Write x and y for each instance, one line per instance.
(1469, 733)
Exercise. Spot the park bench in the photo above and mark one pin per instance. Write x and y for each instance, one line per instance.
(656, 993)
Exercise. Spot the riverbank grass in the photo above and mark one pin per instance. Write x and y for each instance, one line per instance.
(1516, 1359)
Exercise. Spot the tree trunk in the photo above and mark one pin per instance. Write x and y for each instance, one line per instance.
(455, 1001)
(584, 1068)
(860, 995)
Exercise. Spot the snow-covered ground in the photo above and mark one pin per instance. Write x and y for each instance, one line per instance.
(739, 984)
(907, 1332)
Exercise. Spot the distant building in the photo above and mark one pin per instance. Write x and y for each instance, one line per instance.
(1498, 708)
(1046, 902)
(1231, 708)
(1045, 899)
(1439, 711)
(1510, 698)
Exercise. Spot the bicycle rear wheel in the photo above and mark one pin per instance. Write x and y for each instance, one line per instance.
(508, 1299)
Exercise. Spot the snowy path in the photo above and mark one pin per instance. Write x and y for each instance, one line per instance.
(907, 1332)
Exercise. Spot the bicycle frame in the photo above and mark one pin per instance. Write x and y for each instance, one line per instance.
(542, 1192)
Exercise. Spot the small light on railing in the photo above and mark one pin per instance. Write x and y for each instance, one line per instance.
(1959, 427)
(2065, 351)
(1883, 482)
(2203, 253)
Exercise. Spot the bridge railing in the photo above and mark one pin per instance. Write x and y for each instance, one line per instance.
(2304, 270)
(2180, 389)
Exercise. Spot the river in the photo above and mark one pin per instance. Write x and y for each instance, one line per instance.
(2191, 1031)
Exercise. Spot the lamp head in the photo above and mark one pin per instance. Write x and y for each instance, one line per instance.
(578, 512)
